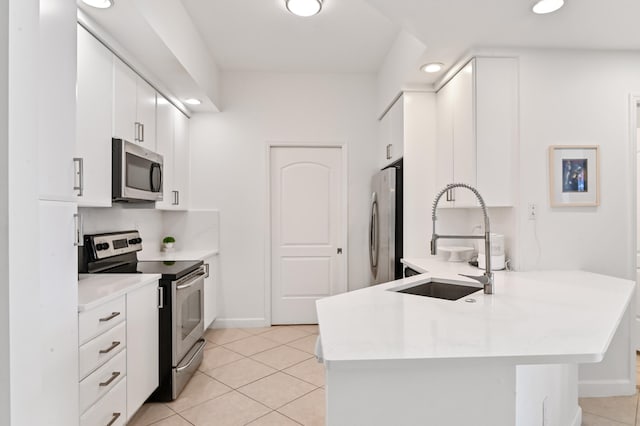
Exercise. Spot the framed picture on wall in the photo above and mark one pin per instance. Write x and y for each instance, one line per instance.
(573, 175)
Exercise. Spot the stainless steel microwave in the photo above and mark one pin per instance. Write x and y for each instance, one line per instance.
(136, 173)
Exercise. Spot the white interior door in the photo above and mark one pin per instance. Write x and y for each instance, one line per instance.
(307, 231)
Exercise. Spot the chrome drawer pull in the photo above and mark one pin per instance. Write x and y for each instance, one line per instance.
(116, 416)
(110, 317)
(114, 376)
(114, 345)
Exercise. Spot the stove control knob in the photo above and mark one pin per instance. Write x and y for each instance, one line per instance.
(102, 246)
(138, 240)
(132, 241)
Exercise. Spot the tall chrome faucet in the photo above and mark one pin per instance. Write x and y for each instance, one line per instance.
(487, 279)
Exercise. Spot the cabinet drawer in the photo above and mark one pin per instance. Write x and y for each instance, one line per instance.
(101, 349)
(110, 409)
(100, 319)
(103, 380)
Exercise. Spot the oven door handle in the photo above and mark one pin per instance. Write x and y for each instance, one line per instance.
(192, 282)
(195, 355)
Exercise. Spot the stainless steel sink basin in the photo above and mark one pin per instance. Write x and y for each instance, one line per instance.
(440, 290)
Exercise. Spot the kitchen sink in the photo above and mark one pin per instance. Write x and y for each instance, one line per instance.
(440, 290)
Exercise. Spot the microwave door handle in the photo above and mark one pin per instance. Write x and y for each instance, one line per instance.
(151, 177)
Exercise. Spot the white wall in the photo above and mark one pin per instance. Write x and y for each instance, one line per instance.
(576, 98)
(20, 382)
(228, 168)
(400, 62)
(4, 214)
(193, 230)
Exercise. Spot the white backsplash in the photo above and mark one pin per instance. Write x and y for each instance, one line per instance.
(193, 230)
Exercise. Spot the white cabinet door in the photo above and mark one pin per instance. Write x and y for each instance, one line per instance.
(164, 138)
(464, 136)
(57, 338)
(181, 170)
(56, 100)
(142, 345)
(391, 134)
(211, 290)
(477, 129)
(444, 145)
(173, 144)
(134, 107)
(496, 128)
(124, 102)
(146, 113)
(94, 120)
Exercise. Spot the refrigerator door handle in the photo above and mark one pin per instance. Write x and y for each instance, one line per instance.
(373, 234)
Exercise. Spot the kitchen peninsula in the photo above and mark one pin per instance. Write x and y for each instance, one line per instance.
(510, 358)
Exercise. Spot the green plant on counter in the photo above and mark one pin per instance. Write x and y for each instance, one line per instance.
(167, 240)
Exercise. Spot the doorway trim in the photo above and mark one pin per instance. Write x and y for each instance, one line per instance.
(634, 106)
(344, 284)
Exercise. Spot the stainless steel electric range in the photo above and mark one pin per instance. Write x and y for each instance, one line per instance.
(180, 308)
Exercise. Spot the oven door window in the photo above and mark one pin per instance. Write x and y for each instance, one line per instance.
(191, 314)
(187, 315)
(143, 174)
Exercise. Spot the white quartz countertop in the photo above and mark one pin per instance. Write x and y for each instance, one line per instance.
(533, 317)
(96, 289)
(147, 254)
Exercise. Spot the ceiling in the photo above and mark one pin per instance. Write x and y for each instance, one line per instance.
(261, 35)
(356, 35)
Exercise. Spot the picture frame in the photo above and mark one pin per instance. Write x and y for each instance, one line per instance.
(574, 179)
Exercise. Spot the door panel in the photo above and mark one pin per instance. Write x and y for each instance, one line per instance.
(308, 222)
(318, 276)
(307, 228)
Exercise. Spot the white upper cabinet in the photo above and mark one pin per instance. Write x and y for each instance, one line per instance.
(181, 160)
(391, 131)
(94, 122)
(134, 107)
(173, 144)
(477, 131)
(56, 72)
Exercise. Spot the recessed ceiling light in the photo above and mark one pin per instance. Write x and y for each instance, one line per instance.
(192, 101)
(547, 6)
(304, 7)
(100, 4)
(432, 67)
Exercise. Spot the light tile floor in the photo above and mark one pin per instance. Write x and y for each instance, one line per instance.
(257, 376)
(270, 377)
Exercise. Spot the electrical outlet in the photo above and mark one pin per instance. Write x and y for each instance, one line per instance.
(533, 211)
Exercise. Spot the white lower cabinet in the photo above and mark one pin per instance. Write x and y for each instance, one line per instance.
(211, 290)
(110, 409)
(57, 335)
(101, 381)
(118, 356)
(142, 345)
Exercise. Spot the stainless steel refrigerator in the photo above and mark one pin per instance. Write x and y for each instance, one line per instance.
(385, 225)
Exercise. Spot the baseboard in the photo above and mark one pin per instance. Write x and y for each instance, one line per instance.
(595, 388)
(240, 323)
(577, 420)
